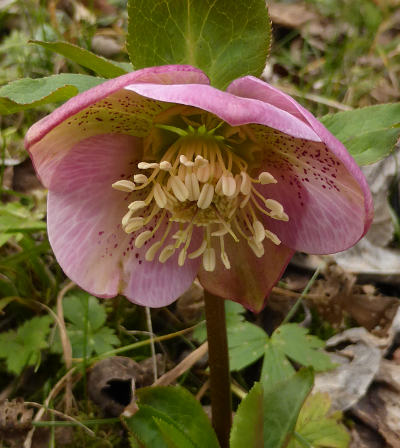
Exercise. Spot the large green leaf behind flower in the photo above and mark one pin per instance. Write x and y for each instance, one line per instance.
(226, 39)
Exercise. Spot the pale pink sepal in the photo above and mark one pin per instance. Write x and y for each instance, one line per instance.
(84, 226)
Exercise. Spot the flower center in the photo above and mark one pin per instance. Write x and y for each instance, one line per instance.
(201, 179)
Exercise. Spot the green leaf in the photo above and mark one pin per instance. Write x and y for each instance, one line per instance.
(317, 427)
(176, 407)
(282, 404)
(173, 436)
(75, 308)
(247, 428)
(246, 341)
(100, 65)
(276, 367)
(225, 39)
(21, 348)
(16, 219)
(369, 133)
(28, 93)
(78, 307)
(301, 347)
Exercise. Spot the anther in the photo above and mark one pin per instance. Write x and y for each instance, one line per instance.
(146, 166)
(165, 165)
(134, 224)
(152, 250)
(259, 231)
(159, 196)
(142, 238)
(140, 178)
(137, 205)
(274, 238)
(198, 252)
(209, 259)
(192, 184)
(166, 253)
(245, 187)
(179, 188)
(228, 185)
(266, 178)
(257, 248)
(185, 161)
(124, 185)
(206, 196)
(276, 209)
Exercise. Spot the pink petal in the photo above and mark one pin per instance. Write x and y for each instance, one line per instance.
(320, 186)
(324, 202)
(250, 279)
(230, 108)
(84, 216)
(106, 108)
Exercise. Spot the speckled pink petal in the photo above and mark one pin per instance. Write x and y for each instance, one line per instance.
(106, 108)
(250, 279)
(230, 108)
(324, 202)
(84, 226)
(320, 185)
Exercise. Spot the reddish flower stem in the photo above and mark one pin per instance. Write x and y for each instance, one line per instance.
(219, 368)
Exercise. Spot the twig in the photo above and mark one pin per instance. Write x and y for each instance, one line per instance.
(183, 366)
(62, 415)
(152, 346)
(66, 344)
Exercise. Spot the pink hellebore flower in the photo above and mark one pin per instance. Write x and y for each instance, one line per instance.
(156, 177)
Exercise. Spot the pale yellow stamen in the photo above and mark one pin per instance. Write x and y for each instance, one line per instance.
(134, 224)
(201, 182)
(166, 253)
(179, 188)
(259, 231)
(206, 196)
(245, 186)
(159, 196)
(124, 185)
(266, 178)
(137, 205)
(146, 166)
(165, 165)
(228, 185)
(209, 259)
(151, 252)
(142, 238)
(274, 238)
(257, 248)
(198, 252)
(140, 178)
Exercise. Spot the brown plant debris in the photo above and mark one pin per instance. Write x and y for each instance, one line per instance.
(338, 296)
(15, 422)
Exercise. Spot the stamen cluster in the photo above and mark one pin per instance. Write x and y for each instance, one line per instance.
(198, 181)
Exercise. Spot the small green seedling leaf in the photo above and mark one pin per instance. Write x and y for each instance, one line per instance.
(28, 93)
(176, 407)
(100, 65)
(282, 404)
(319, 428)
(79, 307)
(369, 133)
(248, 424)
(22, 347)
(225, 39)
(299, 346)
